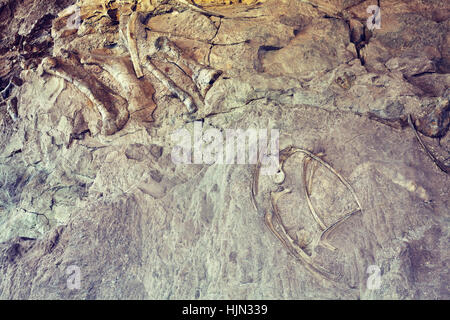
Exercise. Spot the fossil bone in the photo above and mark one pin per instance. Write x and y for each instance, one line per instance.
(174, 89)
(5, 93)
(291, 150)
(254, 185)
(279, 177)
(111, 106)
(203, 76)
(277, 227)
(306, 186)
(132, 45)
(71, 70)
(138, 92)
(326, 233)
(274, 221)
(440, 165)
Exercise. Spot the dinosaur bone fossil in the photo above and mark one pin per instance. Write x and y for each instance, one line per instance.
(132, 45)
(273, 218)
(7, 97)
(173, 88)
(136, 91)
(440, 164)
(203, 76)
(307, 184)
(112, 107)
(275, 224)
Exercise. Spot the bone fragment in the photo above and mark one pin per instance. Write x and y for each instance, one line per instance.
(203, 76)
(174, 89)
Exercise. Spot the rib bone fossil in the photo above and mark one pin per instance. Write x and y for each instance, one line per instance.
(273, 219)
(114, 108)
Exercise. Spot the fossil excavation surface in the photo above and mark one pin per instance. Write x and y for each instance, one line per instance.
(93, 94)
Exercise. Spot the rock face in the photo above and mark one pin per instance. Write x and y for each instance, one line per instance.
(93, 206)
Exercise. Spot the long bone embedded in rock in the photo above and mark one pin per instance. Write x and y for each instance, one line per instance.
(173, 88)
(5, 93)
(148, 50)
(128, 32)
(198, 9)
(203, 76)
(138, 92)
(439, 163)
(307, 185)
(130, 35)
(112, 107)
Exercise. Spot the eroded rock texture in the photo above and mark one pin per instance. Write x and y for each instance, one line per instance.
(87, 111)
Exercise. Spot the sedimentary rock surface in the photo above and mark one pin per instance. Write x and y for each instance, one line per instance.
(91, 96)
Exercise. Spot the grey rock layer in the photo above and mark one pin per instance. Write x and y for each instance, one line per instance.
(139, 226)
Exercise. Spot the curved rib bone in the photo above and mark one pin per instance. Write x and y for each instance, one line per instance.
(307, 188)
(111, 107)
(286, 153)
(291, 150)
(274, 221)
(132, 45)
(279, 230)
